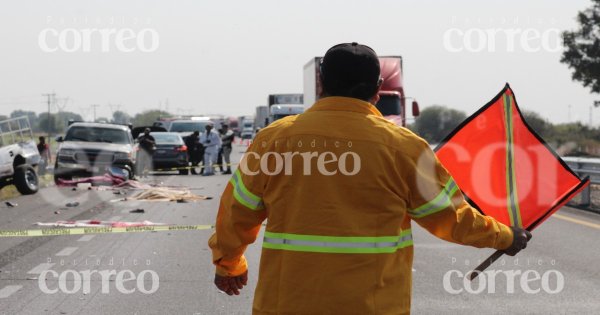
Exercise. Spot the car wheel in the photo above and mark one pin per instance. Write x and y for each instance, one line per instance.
(26, 180)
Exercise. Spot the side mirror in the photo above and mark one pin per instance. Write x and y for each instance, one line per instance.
(59, 139)
(415, 109)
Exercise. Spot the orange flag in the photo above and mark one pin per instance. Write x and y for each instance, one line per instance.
(504, 168)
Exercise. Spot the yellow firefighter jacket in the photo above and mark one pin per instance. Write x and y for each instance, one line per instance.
(339, 187)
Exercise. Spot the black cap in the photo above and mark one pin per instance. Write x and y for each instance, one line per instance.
(348, 65)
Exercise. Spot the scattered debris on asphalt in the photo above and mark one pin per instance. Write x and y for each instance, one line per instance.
(56, 212)
(72, 204)
(11, 205)
(138, 211)
(166, 194)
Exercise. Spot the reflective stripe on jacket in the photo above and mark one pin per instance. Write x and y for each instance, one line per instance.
(340, 186)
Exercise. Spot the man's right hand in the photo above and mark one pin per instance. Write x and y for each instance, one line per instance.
(231, 285)
(520, 239)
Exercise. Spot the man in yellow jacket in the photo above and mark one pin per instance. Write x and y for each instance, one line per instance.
(339, 187)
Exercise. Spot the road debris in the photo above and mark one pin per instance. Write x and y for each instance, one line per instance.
(72, 204)
(11, 205)
(138, 211)
(165, 194)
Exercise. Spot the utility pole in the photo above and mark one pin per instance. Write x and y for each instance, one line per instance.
(50, 97)
(94, 109)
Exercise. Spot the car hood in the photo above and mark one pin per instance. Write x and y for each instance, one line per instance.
(110, 147)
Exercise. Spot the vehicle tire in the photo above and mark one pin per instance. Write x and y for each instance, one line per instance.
(184, 172)
(26, 180)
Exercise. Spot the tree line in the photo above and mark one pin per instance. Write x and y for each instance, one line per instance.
(572, 139)
(58, 122)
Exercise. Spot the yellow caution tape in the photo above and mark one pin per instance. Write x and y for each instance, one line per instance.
(102, 230)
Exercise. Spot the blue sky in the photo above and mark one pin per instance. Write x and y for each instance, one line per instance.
(227, 56)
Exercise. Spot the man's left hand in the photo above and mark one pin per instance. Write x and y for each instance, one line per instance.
(231, 285)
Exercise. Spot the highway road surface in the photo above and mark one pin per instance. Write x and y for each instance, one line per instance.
(171, 272)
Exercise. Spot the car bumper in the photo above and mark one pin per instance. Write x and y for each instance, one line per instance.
(98, 168)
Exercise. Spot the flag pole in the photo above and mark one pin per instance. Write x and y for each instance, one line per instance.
(485, 264)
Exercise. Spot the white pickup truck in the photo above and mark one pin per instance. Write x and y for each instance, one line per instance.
(18, 155)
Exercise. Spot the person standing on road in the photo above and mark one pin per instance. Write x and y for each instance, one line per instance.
(340, 186)
(194, 150)
(211, 141)
(147, 147)
(45, 155)
(227, 137)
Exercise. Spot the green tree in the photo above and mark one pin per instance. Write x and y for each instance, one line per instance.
(120, 117)
(58, 122)
(436, 122)
(538, 124)
(582, 48)
(44, 122)
(33, 117)
(147, 118)
(62, 119)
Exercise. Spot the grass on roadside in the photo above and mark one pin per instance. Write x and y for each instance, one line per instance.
(10, 192)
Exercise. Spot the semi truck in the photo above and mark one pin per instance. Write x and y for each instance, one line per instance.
(294, 98)
(392, 102)
(282, 105)
(279, 111)
(261, 118)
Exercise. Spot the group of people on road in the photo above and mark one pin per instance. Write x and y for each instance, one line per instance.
(206, 148)
(209, 148)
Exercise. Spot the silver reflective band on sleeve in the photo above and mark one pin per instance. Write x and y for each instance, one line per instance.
(439, 203)
(242, 194)
(337, 244)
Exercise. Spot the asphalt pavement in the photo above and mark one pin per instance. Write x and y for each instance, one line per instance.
(171, 272)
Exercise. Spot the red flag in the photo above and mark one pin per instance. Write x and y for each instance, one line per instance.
(504, 168)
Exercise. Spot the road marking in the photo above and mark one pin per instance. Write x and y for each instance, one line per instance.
(41, 268)
(570, 219)
(86, 238)
(9, 290)
(115, 218)
(67, 251)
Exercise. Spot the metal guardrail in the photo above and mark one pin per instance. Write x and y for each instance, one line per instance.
(585, 167)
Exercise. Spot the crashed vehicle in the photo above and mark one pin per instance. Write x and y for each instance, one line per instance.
(18, 156)
(90, 149)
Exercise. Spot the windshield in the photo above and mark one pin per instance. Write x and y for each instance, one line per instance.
(166, 138)
(188, 126)
(97, 134)
(389, 105)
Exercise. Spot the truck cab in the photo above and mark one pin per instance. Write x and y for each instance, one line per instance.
(91, 148)
(283, 110)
